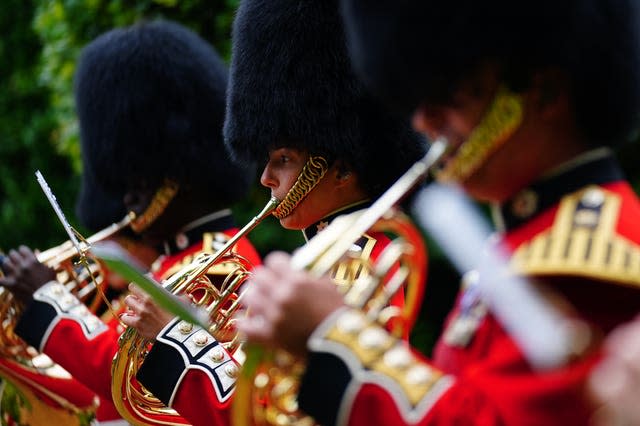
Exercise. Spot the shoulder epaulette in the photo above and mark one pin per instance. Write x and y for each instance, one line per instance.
(583, 242)
(211, 242)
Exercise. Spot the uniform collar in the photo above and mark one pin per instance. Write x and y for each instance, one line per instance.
(310, 231)
(192, 232)
(596, 167)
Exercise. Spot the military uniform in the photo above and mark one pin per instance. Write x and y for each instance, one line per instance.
(61, 327)
(576, 231)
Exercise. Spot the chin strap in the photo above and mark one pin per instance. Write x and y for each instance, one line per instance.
(502, 118)
(311, 173)
(156, 207)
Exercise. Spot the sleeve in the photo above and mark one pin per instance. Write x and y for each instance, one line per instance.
(59, 325)
(377, 379)
(185, 361)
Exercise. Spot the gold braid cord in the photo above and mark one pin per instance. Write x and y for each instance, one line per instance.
(501, 120)
(157, 206)
(311, 173)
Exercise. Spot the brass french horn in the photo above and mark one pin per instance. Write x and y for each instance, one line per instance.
(23, 365)
(211, 281)
(266, 391)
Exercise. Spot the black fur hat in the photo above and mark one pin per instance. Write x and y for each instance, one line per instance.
(291, 84)
(151, 100)
(95, 208)
(414, 51)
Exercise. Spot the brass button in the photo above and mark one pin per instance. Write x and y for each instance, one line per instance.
(419, 375)
(524, 204)
(185, 327)
(231, 370)
(398, 357)
(372, 338)
(350, 322)
(217, 355)
(201, 339)
(593, 198)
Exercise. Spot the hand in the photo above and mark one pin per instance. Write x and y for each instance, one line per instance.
(143, 314)
(24, 274)
(615, 383)
(284, 306)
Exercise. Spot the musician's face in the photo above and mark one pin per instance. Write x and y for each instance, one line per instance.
(543, 140)
(332, 191)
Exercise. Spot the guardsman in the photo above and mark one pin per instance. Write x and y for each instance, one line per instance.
(531, 98)
(327, 147)
(150, 100)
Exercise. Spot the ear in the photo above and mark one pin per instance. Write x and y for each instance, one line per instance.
(342, 174)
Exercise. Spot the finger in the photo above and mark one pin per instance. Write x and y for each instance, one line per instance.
(15, 257)
(7, 281)
(27, 253)
(134, 304)
(130, 320)
(255, 332)
(138, 292)
(260, 285)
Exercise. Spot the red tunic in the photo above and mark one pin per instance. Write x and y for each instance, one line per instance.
(478, 374)
(58, 325)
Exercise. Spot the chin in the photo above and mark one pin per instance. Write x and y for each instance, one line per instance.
(288, 223)
(292, 222)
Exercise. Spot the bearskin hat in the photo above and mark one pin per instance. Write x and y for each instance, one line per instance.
(417, 51)
(95, 208)
(150, 99)
(291, 84)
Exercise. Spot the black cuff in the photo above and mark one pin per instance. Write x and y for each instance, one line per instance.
(160, 371)
(323, 386)
(34, 322)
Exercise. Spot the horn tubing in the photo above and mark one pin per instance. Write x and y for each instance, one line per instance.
(66, 250)
(416, 173)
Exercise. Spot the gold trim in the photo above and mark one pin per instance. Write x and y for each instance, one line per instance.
(583, 242)
(156, 207)
(356, 265)
(500, 121)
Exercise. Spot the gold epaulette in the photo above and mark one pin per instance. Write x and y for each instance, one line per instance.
(211, 242)
(356, 264)
(583, 242)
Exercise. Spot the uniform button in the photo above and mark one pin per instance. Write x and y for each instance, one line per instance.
(372, 338)
(182, 241)
(185, 327)
(419, 375)
(217, 355)
(398, 357)
(200, 339)
(524, 204)
(593, 198)
(231, 370)
(350, 322)
(57, 290)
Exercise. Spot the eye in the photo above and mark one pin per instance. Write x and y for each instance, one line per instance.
(284, 159)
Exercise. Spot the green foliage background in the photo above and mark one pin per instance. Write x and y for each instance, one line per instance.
(38, 127)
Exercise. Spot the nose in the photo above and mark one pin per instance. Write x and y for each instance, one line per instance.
(267, 178)
(430, 121)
